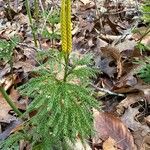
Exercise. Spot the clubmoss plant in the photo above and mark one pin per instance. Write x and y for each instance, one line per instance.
(6, 54)
(61, 97)
(7, 51)
(144, 73)
(145, 9)
(7, 47)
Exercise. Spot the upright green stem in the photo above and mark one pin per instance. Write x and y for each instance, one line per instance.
(52, 35)
(36, 10)
(66, 66)
(9, 101)
(31, 22)
(11, 68)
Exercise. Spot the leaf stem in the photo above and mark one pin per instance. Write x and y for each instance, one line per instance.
(9, 101)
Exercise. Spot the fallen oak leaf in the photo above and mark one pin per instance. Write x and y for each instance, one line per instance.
(128, 118)
(116, 55)
(106, 125)
(15, 95)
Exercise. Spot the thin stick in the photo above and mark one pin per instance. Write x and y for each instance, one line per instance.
(41, 5)
(9, 101)
(107, 91)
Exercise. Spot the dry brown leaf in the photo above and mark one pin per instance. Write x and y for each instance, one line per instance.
(9, 128)
(79, 145)
(130, 99)
(24, 145)
(4, 109)
(85, 1)
(15, 95)
(141, 141)
(109, 144)
(101, 43)
(147, 120)
(104, 64)
(126, 84)
(7, 81)
(5, 70)
(126, 45)
(128, 118)
(26, 66)
(115, 54)
(146, 143)
(146, 92)
(146, 39)
(106, 125)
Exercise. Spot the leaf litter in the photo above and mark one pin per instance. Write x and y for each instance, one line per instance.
(102, 27)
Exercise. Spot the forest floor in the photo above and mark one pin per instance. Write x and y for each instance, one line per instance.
(105, 28)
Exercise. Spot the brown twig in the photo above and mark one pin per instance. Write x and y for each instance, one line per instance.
(106, 91)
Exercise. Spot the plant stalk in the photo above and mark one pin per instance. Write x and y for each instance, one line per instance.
(66, 66)
(9, 101)
(36, 10)
(31, 22)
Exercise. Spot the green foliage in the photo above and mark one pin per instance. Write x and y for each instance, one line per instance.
(50, 35)
(63, 106)
(12, 142)
(52, 19)
(142, 47)
(146, 11)
(6, 48)
(144, 73)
